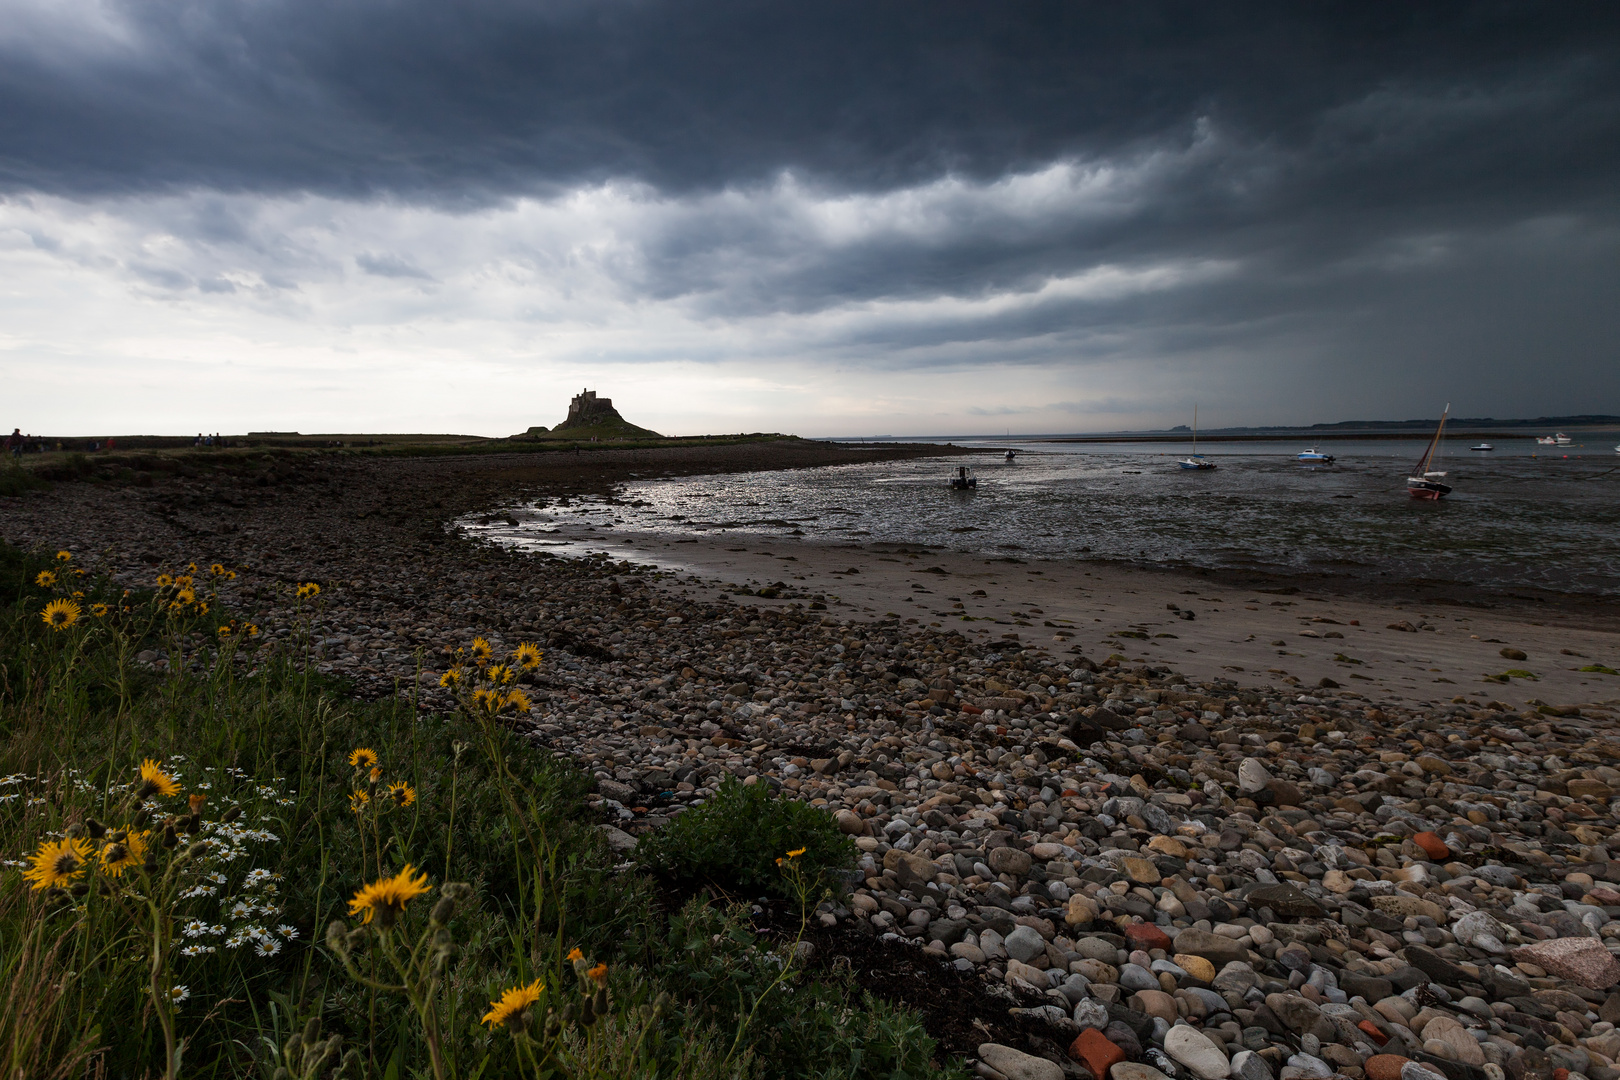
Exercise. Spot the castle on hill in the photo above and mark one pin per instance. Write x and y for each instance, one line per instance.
(595, 417)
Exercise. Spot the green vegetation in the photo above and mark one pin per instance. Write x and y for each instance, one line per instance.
(220, 864)
(739, 836)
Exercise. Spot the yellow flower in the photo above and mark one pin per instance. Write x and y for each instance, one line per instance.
(217, 570)
(184, 580)
(486, 699)
(516, 699)
(402, 793)
(192, 567)
(795, 853)
(511, 1004)
(45, 579)
(481, 648)
(196, 801)
(164, 581)
(185, 596)
(60, 614)
(154, 781)
(64, 556)
(230, 575)
(363, 757)
(358, 800)
(224, 631)
(58, 862)
(308, 590)
(386, 897)
(499, 673)
(575, 954)
(99, 610)
(450, 678)
(116, 857)
(251, 630)
(376, 773)
(202, 608)
(598, 974)
(528, 655)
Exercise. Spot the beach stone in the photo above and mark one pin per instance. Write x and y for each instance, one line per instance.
(1252, 776)
(1095, 948)
(1022, 972)
(971, 953)
(1045, 852)
(1295, 1012)
(1285, 900)
(1080, 910)
(850, 823)
(1154, 1003)
(1024, 943)
(1009, 860)
(1212, 947)
(1196, 966)
(1248, 1065)
(1135, 977)
(1434, 847)
(1416, 1070)
(1169, 845)
(1091, 1013)
(913, 871)
(1478, 930)
(1141, 871)
(1384, 1066)
(1580, 960)
(1309, 1065)
(1136, 1070)
(1402, 906)
(1147, 936)
(1445, 1030)
(1092, 1049)
(1188, 1046)
(1017, 1065)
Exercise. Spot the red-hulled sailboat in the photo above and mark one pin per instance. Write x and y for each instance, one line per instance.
(1424, 483)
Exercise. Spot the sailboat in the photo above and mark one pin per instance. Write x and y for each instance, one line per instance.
(1424, 483)
(1197, 460)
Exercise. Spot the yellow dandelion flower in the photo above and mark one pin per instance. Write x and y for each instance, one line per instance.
(516, 699)
(251, 630)
(119, 856)
(363, 757)
(60, 614)
(795, 853)
(185, 596)
(154, 781)
(196, 800)
(230, 575)
(376, 773)
(202, 608)
(99, 610)
(386, 898)
(450, 678)
(64, 556)
(481, 647)
(225, 631)
(164, 581)
(486, 699)
(192, 567)
(511, 1004)
(217, 570)
(575, 954)
(598, 974)
(528, 655)
(58, 862)
(401, 793)
(358, 800)
(184, 580)
(45, 579)
(314, 589)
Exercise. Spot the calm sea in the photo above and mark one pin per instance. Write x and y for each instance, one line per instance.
(1521, 517)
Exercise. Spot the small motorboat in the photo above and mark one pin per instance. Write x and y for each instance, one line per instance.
(1424, 483)
(1484, 446)
(1009, 455)
(1559, 439)
(1313, 456)
(964, 480)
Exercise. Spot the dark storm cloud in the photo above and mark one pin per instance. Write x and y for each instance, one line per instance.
(447, 102)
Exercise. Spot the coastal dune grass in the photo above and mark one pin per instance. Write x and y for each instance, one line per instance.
(222, 864)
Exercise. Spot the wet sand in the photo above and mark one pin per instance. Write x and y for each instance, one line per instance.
(1292, 635)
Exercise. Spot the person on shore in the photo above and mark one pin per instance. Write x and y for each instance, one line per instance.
(14, 442)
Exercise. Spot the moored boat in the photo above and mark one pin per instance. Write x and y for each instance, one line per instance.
(1559, 439)
(964, 480)
(1313, 456)
(1483, 446)
(1425, 483)
(1197, 460)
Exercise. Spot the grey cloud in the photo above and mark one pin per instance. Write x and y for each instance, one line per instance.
(390, 266)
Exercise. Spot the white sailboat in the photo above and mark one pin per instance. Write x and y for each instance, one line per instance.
(1197, 460)
(1424, 483)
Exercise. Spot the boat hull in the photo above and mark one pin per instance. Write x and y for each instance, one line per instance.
(1419, 488)
(1200, 466)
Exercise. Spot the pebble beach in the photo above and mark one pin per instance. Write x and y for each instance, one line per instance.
(1128, 866)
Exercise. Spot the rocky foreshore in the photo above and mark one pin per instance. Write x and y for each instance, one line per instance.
(1155, 875)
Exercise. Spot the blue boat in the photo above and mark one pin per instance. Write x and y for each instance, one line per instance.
(1313, 456)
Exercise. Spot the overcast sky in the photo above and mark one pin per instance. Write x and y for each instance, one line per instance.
(824, 218)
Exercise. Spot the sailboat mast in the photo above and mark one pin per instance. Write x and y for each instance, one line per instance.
(1195, 429)
(1428, 454)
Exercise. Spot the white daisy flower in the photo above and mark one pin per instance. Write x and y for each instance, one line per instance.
(288, 932)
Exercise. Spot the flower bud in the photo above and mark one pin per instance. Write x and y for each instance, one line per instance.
(443, 911)
(81, 889)
(600, 1002)
(290, 1051)
(142, 816)
(337, 937)
(312, 1030)
(96, 829)
(170, 839)
(231, 815)
(74, 831)
(192, 823)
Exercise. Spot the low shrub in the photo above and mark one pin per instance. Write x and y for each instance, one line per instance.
(736, 838)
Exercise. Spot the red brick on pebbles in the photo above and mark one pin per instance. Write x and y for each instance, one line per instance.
(1434, 847)
(1092, 1048)
(1384, 1066)
(1373, 1032)
(1148, 936)
(1580, 960)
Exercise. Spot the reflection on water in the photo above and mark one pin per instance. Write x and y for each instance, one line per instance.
(1514, 520)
